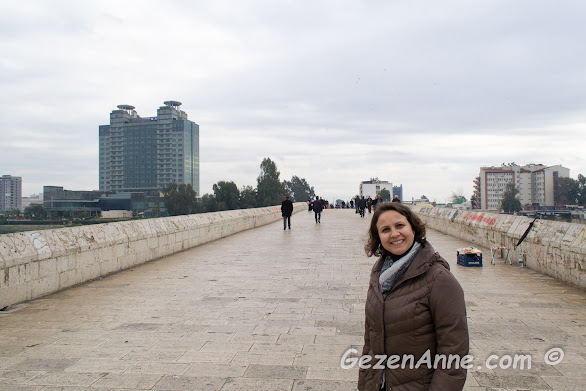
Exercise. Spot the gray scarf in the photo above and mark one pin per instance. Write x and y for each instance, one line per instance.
(392, 271)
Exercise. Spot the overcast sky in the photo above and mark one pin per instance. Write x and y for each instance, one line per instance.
(418, 93)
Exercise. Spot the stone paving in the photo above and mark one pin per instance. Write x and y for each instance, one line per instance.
(272, 310)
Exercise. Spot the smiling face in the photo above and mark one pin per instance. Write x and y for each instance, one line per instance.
(395, 232)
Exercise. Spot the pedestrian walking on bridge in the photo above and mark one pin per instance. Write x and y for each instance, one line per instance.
(361, 206)
(375, 201)
(286, 212)
(317, 208)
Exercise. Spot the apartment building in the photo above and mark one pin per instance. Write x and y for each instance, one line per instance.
(535, 182)
(10, 192)
(373, 187)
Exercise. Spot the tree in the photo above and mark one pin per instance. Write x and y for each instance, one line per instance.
(385, 195)
(227, 195)
(510, 202)
(299, 189)
(208, 204)
(179, 199)
(567, 191)
(475, 201)
(582, 190)
(457, 197)
(248, 197)
(269, 190)
(156, 209)
(35, 211)
(12, 213)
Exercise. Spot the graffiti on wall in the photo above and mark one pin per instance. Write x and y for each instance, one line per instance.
(580, 238)
(480, 219)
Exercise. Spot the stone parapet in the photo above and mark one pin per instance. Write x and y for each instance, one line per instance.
(36, 263)
(556, 249)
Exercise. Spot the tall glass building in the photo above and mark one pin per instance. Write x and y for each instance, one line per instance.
(145, 154)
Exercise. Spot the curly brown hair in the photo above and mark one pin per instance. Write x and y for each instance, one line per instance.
(373, 245)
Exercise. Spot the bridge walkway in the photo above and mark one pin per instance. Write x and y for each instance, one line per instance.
(271, 310)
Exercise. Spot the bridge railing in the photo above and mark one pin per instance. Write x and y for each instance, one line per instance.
(37, 263)
(557, 249)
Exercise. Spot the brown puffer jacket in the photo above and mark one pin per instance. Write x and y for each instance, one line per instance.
(424, 311)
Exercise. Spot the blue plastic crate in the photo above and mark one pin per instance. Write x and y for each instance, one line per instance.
(469, 259)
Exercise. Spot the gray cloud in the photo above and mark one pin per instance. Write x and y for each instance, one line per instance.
(420, 93)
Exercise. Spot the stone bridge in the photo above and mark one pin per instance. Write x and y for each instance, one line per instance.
(258, 309)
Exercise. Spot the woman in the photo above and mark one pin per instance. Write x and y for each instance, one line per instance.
(414, 307)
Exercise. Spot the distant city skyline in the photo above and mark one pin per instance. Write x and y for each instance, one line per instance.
(420, 94)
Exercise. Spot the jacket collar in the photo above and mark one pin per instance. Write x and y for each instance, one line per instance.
(422, 262)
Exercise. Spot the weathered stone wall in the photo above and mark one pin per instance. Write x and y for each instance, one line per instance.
(36, 263)
(553, 248)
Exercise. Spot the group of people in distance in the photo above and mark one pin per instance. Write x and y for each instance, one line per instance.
(362, 203)
(415, 313)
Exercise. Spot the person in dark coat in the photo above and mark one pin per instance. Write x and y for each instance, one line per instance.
(361, 206)
(286, 212)
(414, 307)
(317, 208)
(375, 201)
(396, 199)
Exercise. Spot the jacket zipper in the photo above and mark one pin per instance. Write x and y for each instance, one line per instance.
(433, 259)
